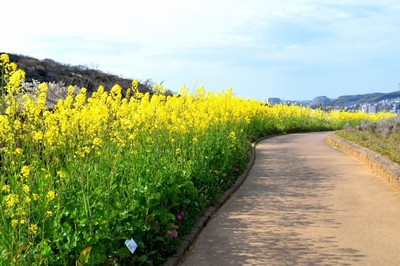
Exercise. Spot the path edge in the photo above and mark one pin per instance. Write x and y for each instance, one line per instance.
(189, 239)
(385, 168)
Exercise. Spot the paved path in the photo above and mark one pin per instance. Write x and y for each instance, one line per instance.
(304, 203)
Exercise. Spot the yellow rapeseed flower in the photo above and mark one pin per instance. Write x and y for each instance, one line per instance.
(37, 136)
(4, 58)
(28, 199)
(12, 199)
(25, 171)
(50, 195)
(25, 188)
(6, 188)
(232, 136)
(14, 223)
(33, 228)
(35, 196)
(17, 124)
(21, 211)
(61, 174)
(97, 142)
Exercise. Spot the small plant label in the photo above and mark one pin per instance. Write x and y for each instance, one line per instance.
(131, 244)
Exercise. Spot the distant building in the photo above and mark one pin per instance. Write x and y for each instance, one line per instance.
(368, 108)
(372, 109)
(273, 101)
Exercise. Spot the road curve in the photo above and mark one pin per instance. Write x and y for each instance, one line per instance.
(303, 203)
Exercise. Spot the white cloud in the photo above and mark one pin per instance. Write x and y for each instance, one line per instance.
(210, 38)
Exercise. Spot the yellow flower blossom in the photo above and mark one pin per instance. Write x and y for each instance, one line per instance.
(132, 136)
(33, 229)
(232, 136)
(28, 199)
(97, 142)
(14, 223)
(6, 188)
(35, 196)
(4, 58)
(61, 174)
(12, 199)
(17, 124)
(25, 188)
(21, 211)
(50, 195)
(86, 149)
(25, 171)
(37, 136)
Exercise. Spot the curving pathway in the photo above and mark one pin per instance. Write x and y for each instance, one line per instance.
(303, 203)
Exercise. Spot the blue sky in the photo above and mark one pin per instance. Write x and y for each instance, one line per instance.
(293, 49)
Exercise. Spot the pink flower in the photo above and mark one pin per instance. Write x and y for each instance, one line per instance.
(172, 234)
(180, 217)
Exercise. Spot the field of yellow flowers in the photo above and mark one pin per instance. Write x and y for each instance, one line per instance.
(79, 180)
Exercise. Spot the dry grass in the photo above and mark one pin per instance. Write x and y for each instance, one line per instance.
(382, 137)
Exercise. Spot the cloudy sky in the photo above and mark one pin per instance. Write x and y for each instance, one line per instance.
(292, 49)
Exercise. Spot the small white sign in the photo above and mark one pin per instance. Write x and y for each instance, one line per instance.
(131, 244)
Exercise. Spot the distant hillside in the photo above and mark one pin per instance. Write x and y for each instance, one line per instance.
(48, 70)
(365, 98)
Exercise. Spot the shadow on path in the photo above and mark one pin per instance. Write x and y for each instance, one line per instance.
(289, 210)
